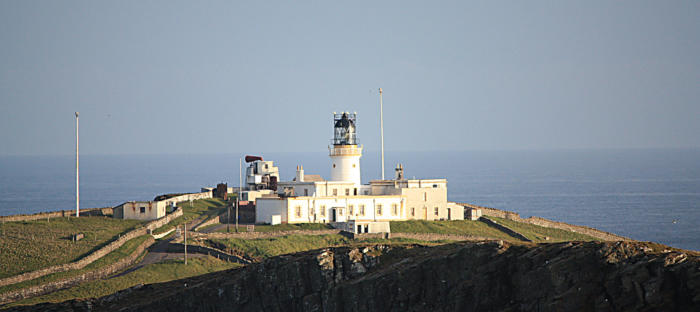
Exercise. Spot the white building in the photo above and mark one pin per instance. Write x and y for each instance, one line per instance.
(344, 198)
(141, 210)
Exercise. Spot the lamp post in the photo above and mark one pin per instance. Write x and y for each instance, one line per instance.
(381, 127)
(77, 168)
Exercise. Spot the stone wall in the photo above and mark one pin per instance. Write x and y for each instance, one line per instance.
(146, 229)
(187, 197)
(71, 281)
(215, 220)
(602, 235)
(57, 214)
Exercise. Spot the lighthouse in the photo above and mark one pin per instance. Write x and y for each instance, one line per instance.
(344, 152)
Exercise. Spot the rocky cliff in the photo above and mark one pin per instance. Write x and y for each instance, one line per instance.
(486, 276)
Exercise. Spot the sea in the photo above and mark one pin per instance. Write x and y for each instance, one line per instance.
(644, 194)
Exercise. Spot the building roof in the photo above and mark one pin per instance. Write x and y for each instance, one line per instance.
(311, 178)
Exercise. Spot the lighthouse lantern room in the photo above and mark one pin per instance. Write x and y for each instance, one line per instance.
(344, 152)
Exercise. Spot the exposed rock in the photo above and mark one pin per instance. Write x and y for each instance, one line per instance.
(484, 276)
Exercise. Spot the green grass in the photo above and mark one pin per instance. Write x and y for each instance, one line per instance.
(154, 273)
(459, 227)
(32, 245)
(201, 208)
(269, 247)
(110, 258)
(539, 234)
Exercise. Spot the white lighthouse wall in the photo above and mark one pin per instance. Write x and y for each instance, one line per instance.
(346, 168)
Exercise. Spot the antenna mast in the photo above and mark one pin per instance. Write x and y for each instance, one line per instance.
(381, 128)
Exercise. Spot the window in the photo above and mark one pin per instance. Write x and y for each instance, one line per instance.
(335, 192)
(425, 196)
(413, 212)
(311, 211)
(306, 192)
(437, 211)
(298, 211)
(355, 192)
(340, 212)
(143, 209)
(347, 192)
(323, 210)
(333, 165)
(362, 210)
(351, 210)
(353, 165)
(434, 185)
(379, 209)
(394, 209)
(265, 166)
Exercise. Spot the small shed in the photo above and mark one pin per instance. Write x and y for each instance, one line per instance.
(140, 210)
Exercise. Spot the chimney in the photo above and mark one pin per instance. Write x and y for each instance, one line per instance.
(300, 174)
(399, 172)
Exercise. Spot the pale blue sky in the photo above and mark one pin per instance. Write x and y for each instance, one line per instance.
(223, 77)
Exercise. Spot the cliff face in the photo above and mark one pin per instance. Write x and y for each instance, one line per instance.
(490, 276)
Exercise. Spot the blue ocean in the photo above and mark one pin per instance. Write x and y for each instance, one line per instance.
(645, 194)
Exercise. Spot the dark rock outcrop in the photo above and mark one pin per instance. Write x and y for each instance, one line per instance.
(487, 276)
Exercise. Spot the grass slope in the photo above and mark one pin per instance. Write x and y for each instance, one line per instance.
(275, 246)
(539, 234)
(31, 245)
(269, 247)
(201, 208)
(153, 273)
(459, 227)
(110, 258)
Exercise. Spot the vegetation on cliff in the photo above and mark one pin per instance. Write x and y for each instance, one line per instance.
(153, 273)
(112, 257)
(31, 245)
(468, 276)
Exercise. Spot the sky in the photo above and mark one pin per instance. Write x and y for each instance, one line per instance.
(152, 77)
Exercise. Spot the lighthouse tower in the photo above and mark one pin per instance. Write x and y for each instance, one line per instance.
(344, 152)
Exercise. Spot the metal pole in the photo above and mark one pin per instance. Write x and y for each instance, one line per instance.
(238, 196)
(381, 127)
(77, 167)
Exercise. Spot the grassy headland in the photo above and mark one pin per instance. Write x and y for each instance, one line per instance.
(152, 273)
(114, 256)
(32, 245)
